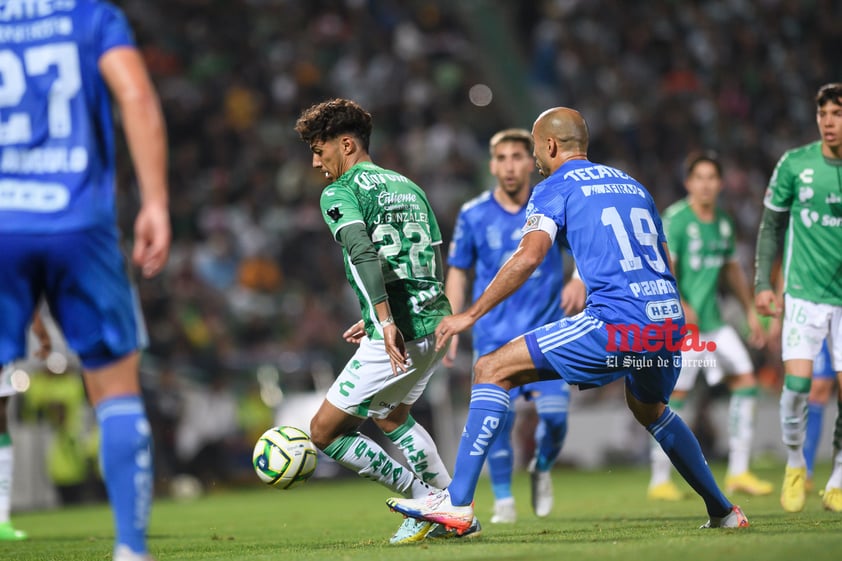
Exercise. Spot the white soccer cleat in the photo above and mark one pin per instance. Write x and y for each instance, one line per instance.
(734, 519)
(542, 491)
(123, 553)
(435, 507)
(504, 511)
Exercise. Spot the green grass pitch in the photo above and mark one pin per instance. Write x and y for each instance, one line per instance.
(600, 515)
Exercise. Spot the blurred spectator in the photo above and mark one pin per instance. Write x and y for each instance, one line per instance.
(164, 408)
(59, 399)
(207, 431)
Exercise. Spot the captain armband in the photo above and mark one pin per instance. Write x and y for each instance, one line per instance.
(537, 222)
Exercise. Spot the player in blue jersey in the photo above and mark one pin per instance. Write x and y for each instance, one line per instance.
(631, 326)
(821, 390)
(61, 64)
(487, 232)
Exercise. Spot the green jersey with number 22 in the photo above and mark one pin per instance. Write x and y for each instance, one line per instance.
(400, 222)
(809, 186)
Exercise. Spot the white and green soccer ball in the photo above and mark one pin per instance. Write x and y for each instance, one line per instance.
(284, 457)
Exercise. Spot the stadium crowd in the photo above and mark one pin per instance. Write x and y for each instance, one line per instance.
(253, 278)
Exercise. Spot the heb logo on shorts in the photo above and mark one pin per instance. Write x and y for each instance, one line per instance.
(660, 310)
(654, 337)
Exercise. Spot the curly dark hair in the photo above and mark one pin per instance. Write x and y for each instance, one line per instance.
(329, 119)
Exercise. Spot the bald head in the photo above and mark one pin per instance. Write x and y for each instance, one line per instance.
(560, 134)
(566, 125)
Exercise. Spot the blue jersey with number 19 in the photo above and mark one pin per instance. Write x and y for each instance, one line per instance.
(611, 225)
(56, 137)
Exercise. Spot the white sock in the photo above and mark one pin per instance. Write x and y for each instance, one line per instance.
(508, 501)
(740, 432)
(421, 453)
(793, 411)
(661, 464)
(835, 480)
(362, 455)
(6, 464)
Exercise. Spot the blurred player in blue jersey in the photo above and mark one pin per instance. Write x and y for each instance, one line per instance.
(821, 390)
(487, 232)
(630, 328)
(61, 62)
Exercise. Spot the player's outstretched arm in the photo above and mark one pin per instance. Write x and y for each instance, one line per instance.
(514, 272)
(363, 256)
(125, 73)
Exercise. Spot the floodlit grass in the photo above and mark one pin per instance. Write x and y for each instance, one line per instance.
(598, 516)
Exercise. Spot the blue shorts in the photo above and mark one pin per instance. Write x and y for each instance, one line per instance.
(823, 365)
(83, 277)
(577, 349)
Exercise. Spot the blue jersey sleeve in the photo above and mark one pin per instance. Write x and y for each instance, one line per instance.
(546, 212)
(114, 29)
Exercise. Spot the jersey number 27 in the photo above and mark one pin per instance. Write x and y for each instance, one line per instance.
(37, 61)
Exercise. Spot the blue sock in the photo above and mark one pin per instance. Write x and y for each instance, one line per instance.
(486, 417)
(679, 443)
(815, 414)
(501, 458)
(549, 438)
(126, 462)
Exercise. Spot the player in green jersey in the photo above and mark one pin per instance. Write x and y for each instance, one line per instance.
(702, 240)
(390, 244)
(804, 199)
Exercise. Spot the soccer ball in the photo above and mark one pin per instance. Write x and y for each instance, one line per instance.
(284, 457)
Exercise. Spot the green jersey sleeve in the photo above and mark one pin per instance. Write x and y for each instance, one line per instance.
(339, 208)
(780, 191)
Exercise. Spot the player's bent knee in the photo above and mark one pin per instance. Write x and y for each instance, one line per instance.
(320, 437)
(644, 413)
(485, 371)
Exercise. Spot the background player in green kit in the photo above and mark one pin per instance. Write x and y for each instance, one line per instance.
(390, 243)
(804, 198)
(702, 241)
